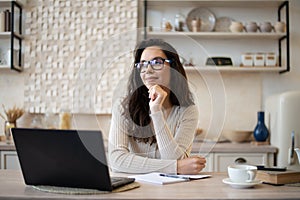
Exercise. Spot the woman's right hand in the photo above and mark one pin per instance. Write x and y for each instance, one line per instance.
(157, 97)
(191, 165)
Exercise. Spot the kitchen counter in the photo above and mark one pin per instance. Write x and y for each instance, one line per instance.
(12, 187)
(228, 147)
(210, 147)
(7, 147)
(218, 155)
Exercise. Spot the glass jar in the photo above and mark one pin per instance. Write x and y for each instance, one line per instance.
(179, 22)
(7, 130)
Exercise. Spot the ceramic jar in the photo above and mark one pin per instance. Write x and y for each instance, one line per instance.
(251, 27)
(279, 27)
(236, 27)
(259, 59)
(266, 27)
(271, 59)
(247, 59)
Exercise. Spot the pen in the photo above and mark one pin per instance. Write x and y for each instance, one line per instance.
(174, 176)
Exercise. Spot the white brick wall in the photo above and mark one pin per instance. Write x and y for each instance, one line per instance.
(76, 51)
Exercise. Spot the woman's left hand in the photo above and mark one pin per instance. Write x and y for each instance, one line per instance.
(157, 96)
(191, 165)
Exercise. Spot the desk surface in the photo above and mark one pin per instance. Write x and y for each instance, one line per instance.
(12, 187)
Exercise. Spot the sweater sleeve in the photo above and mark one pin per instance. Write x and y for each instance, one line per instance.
(176, 145)
(120, 157)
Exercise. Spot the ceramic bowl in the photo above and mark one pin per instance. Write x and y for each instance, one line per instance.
(237, 136)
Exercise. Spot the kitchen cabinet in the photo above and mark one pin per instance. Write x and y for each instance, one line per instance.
(222, 160)
(220, 155)
(196, 47)
(11, 38)
(9, 160)
(218, 162)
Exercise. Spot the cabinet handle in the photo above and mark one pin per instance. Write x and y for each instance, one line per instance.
(240, 161)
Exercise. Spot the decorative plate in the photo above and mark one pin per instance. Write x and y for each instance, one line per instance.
(208, 19)
(223, 24)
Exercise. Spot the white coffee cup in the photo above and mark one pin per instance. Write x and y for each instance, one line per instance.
(242, 173)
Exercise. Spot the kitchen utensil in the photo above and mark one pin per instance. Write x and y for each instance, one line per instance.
(236, 27)
(280, 27)
(298, 153)
(208, 19)
(237, 136)
(223, 24)
(247, 59)
(179, 22)
(251, 27)
(196, 25)
(218, 61)
(265, 27)
(271, 59)
(241, 185)
(291, 149)
(259, 59)
(242, 173)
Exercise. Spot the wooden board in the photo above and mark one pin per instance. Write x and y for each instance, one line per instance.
(279, 178)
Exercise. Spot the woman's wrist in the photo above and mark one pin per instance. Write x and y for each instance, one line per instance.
(155, 108)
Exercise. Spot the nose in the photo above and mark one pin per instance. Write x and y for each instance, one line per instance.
(149, 68)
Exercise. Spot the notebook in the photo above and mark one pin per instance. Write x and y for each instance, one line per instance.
(163, 179)
(65, 158)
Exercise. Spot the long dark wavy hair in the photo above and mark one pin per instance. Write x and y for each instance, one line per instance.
(136, 103)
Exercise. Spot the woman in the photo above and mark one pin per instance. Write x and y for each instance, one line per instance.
(153, 127)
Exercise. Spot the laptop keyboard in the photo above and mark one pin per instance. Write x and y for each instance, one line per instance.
(120, 181)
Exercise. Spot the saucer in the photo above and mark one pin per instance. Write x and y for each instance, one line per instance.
(241, 185)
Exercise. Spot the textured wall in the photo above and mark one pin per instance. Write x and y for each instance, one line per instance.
(76, 51)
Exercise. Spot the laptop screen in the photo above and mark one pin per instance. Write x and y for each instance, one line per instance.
(69, 158)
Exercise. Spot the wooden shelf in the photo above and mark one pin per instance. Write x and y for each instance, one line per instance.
(18, 68)
(257, 40)
(218, 35)
(15, 36)
(233, 69)
(217, 3)
(7, 3)
(8, 34)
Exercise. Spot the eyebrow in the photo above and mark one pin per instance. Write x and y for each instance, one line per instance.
(153, 59)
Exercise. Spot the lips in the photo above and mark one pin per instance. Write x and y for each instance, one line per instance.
(151, 79)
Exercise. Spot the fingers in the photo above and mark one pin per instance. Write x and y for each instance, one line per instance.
(155, 92)
(191, 165)
(198, 163)
(152, 92)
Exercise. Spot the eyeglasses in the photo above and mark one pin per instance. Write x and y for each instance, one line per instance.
(156, 64)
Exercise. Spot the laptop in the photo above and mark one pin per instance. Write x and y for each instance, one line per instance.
(65, 158)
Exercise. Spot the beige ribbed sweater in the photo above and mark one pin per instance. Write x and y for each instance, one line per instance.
(174, 137)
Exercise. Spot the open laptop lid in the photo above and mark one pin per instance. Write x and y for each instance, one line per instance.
(68, 158)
